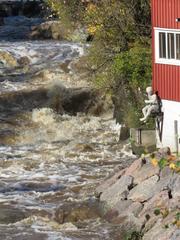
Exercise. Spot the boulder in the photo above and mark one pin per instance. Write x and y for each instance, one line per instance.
(164, 229)
(159, 232)
(49, 30)
(137, 164)
(176, 235)
(145, 190)
(166, 171)
(159, 201)
(123, 208)
(108, 182)
(24, 61)
(174, 186)
(8, 60)
(75, 213)
(145, 172)
(128, 222)
(9, 214)
(144, 198)
(118, 191)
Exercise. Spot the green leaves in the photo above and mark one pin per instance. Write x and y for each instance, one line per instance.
(177, 164)
(134, 65)
(177, 216)
(162, 163)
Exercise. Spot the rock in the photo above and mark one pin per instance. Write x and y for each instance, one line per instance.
(118, 191)
(145, 190)
(128, 222)
(164, 229)
(108, 182)
(159, 232)
(166, 171)
(123, 208)
(9, 214)
(8, 60)
(176, 235)
(81, 213)
(143, 198)
(49, 30)
(174, 186)
(137, 164)
(44, 75)
(117, 209)
(159, 201)
(125, 213)
(23, 61)
(79, 35)
(74, 213)
(60, 215)
(163, 153)
(147, 171)
(149, 223)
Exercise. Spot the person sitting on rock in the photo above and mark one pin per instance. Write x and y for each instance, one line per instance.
(152, 104)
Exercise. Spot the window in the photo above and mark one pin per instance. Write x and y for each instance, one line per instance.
(162, 45)
(167, 46)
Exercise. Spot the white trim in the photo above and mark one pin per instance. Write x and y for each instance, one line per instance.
(171, 111)
(166, 29)
(156, 45)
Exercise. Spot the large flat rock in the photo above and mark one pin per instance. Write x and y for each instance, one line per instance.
(145, 190)
(174, 185)
(145, 172)
(117, 191)
(108, 182)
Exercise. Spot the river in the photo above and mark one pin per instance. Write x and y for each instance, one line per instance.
(50, 163)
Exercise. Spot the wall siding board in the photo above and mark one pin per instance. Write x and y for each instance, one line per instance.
(166, 78)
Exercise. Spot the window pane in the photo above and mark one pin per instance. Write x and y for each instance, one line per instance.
(162, 45)
(171, 49)
(178, 46)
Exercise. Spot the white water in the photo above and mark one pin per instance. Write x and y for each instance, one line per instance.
(49, 155)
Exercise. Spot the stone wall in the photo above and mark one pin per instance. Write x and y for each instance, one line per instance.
(145, 197)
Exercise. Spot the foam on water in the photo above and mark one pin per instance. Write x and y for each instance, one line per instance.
(53, 127)
(8, 86)
(54, 160)
(42, 51)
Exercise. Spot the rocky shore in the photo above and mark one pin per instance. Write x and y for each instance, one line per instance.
(144, 198)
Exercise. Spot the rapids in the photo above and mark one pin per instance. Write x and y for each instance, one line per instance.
(51, 162)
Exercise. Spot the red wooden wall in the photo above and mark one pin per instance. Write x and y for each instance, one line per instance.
(166, 78)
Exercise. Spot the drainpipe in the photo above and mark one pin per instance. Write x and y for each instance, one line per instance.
(176, 136)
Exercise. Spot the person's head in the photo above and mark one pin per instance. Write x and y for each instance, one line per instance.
(149, 90)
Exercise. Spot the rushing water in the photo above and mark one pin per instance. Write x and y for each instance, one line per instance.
(50, 161)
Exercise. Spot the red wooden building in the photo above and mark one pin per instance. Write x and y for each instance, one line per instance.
(166, 65)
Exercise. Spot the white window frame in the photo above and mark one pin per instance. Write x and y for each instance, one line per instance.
(165, 60)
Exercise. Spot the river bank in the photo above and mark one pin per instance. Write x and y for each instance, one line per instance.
(144, 198)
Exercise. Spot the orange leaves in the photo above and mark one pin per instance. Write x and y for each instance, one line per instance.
(171, 161)
(154, 162)
(171, 158)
